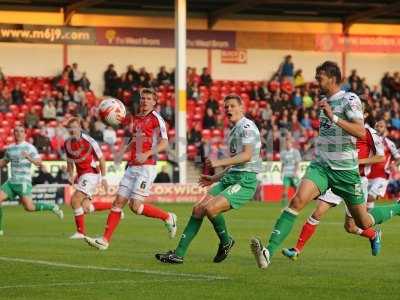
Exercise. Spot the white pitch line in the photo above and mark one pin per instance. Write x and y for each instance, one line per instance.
(74, 283)
(97, 268)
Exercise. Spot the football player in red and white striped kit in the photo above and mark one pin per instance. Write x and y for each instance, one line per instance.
(378, 178)
(83, 153)
(149, 137)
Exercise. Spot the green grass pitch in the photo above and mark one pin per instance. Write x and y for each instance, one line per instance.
(38, 261)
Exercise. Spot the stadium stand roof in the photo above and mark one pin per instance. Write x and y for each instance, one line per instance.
(346, 11)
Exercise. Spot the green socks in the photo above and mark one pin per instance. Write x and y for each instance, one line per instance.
(383, 213)
(220, 228)
(191, 229)
(40, 206)
(281, 230)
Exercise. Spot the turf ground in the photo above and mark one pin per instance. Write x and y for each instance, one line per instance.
(38, 261)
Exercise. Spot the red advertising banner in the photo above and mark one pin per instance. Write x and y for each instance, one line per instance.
(234, 56)
(357, 43)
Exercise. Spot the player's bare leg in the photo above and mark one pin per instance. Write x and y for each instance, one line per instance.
(306, 192)
(112, 222)
(29, 206)
(308, 229)
(138, 207)
(3, 196)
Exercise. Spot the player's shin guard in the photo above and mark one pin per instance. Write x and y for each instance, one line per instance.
(191, 229)
(306, 233)
(112, 222)
(281, 230)
(383, 213)
(99, 206)
(220, 228)
(153, 212)
(80, 220)
(40, 206)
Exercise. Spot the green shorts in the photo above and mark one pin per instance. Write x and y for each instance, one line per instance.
(289, 181)
(237, 187)
(344, 183)
(17, 189)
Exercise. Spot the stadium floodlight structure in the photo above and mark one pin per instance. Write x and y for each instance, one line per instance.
(180, 88)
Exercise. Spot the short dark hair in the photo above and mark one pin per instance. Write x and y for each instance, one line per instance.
(233, 96)
(331, 69)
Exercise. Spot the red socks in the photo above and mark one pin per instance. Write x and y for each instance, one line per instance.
(80, 220)
(154, 212)
(306, 232)
(112, 222)
(368, 233)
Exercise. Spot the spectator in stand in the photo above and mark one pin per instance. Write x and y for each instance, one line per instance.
(266, 114)
(143, 77)
(41, 141)
(375, 94)
(163, 176)
(307, 100)
(205, 77)
(385, 84)
(62, 176)
(84, 82)
(168, 113)
(209, 121)
(263, 91)
(75, 75)
(72, 108)
(2, 77)
(396, 121)
(6, 95)
(194, 135)
(286, 85)
(48, 96)
(130, 70)
(83, 108)
(79, 95)
(43, 177)
(354, 80)
(63, 81)
(163, 77)
(152, 83)
(314, 120)
(295, 126)
(286, 69)
(193, 91)
(96, 131)
(59, 109)
(192, 76)
(356, 88)
(213, 104)
(4, 105)
(298, 78)
(306, 121)
(297, 99)
(57, 141)
(255, 93)
(110, 81)
(49, 112)
(66, 95)
(32, 118)
(17, 95)
(172, 76)
(274, 84)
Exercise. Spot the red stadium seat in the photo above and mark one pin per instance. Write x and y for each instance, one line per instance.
(191, 152)
(206, 133)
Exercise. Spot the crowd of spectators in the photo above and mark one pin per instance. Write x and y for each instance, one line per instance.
(285, 105)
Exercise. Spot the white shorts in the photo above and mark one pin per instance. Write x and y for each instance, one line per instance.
(87, 183)
(377, 187)
(137, 181)
(334, 199)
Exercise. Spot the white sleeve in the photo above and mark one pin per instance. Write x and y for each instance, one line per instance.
(378, 143)
(393, 150)
(161, 125)
(95, 146)
(353, 108)
(34, 153)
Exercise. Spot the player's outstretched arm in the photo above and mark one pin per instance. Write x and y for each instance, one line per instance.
(372, 160)
(161, 146)
(206, 180)
(240, 158)
(125, 147)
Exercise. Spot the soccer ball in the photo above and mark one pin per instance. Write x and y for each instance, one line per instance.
(112, 111)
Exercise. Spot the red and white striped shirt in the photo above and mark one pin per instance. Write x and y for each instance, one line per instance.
(381, 170)
(367, 146)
